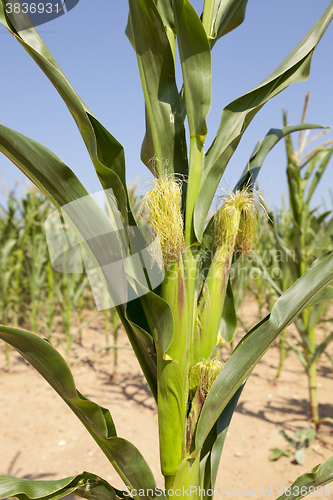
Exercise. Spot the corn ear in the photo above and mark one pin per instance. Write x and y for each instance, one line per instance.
(201, 378)
(163, 203)
(235, 230)
(172, 370)
(171, 415)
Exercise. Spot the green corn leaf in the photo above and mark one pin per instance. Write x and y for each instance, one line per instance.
(196, 66)
(165, 316)
(187, 476)
(300, 456)
(294, 183)
(238, 114)
(125, 458)
(321, 348)
(262, 149)
(290, 440)
(145, 345)
(228, 323)
(323, 239)
(160, 319)
(300, 356)
(277, 453)
(253, 346)
(310, 481)
(171, 414)
(53, 368)
(105, 151)
(214, 443)
(96, 488)
(85, 485)
(315, 315)
(173, 291)
(108, 157)
(319, 173)
(147, 149)
(55, 179)
(321, 219)
(172, 372)
(60, 185)
(170, 383)
(311, 163)
(221, 17)
(164, 8)
(324, 295)
(195, 60)
(157, 72)
(308, 435)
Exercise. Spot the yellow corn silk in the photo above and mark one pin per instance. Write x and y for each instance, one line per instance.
(237, 217)
(163, 203)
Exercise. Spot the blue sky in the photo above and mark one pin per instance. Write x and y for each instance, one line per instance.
(91, 48)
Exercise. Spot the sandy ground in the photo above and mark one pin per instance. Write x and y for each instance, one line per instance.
(41, 439)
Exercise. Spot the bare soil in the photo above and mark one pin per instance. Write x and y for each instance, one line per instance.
(41, 439)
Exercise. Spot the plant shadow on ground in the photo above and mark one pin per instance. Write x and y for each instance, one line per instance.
(128, 397)
(132, 387)
(289, 409)
(287, 405)
(14, 469)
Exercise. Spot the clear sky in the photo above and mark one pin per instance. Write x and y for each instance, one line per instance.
(90, 46)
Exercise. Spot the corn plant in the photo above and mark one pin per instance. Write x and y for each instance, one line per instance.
(6, 276)
(50, 308)
(23, 222)
(175, 295)
(69, 291)
(111, 317)
(301, 234)
(303, 438)
(34, 208)
(11, 258)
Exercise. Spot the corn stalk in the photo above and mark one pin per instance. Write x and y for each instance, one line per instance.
(173, 326)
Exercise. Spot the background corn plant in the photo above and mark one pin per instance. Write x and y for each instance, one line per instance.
(293, 239)
(173, 328)
(32, 293)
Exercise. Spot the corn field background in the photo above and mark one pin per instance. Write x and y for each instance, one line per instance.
(201, 295)
(60, 307)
